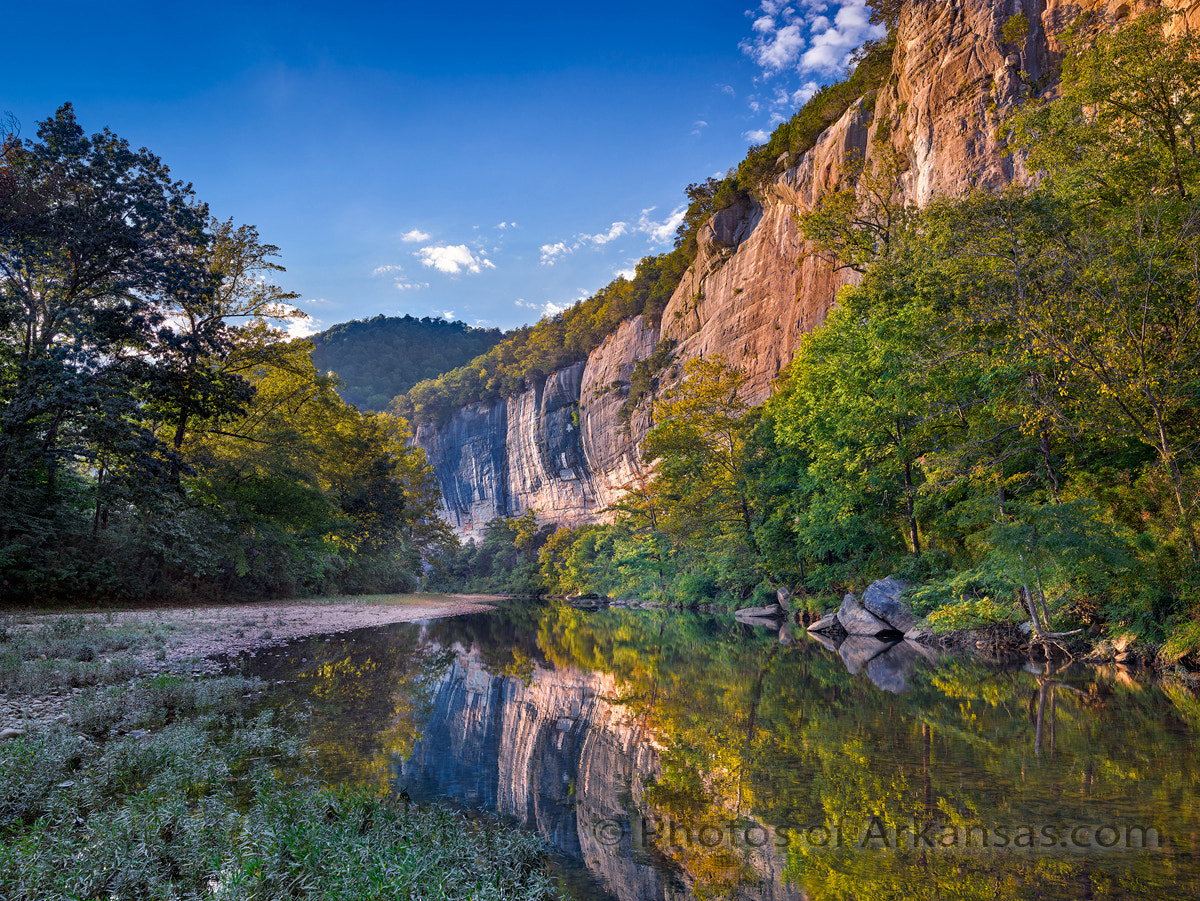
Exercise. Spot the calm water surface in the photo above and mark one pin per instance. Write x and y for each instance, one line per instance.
(677, 756)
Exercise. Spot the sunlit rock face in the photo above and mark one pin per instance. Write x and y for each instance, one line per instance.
(556, 755)
(756, 288)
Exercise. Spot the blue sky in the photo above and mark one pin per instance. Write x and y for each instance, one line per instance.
(483, 162)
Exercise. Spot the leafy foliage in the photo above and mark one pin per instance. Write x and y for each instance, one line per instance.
(1003, 407)
(158, 433)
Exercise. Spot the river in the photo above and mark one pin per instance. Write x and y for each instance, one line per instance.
(671, 755)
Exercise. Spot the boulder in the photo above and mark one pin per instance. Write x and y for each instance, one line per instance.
(6, 734)
(827, 623)
(882, 599)
(769, 610)
(921, 635)
(857, 620)
(784, 596)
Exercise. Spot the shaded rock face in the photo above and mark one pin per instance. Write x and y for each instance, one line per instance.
(525, 451)
(857, 620)
(612, 445)
(882, 598)
(556, 755)
(756, 288)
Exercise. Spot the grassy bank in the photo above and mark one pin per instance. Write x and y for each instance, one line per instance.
(169, 786)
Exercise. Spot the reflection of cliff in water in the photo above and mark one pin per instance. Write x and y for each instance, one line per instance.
(556, 755)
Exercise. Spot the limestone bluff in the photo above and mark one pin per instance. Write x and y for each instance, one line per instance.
(755, 289)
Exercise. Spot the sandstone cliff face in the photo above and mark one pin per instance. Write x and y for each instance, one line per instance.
(556, 755)
(501, 459)
(756, 288)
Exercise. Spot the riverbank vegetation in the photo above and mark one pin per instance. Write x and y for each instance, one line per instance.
(1004, 410)
(160, 437)
(168, 786)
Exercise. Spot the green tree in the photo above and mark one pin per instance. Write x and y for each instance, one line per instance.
(1125, 122)
(202, 367)
(860, 220)
(97, 246)
(697, 447)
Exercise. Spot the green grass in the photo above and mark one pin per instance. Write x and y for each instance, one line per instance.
(171, 788)
(71, 652)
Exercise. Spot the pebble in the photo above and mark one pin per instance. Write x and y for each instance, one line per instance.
(6, 734)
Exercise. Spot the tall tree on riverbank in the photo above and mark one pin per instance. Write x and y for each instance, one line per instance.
(159, 434)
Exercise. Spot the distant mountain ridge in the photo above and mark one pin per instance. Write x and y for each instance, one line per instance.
(384, 356)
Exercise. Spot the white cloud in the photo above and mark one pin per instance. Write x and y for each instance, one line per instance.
(831, 49)
(698, 126)
(549, 308)
(727, 89)
(302, 328)
(551, 252)
(504, 225)
(415, 235)
(453, 259)
(813, 39)
(805, 93)
(447, 314)
(661, 232)
(758, 136)
(614, 231)
(400, 281)
(626, 274)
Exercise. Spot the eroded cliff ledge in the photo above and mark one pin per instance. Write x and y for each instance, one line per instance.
(564, 449)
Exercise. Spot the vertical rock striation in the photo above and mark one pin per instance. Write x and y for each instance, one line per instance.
(565, 448)
(556, 755)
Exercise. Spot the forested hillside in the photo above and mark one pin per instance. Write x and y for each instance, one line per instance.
(379, 358)
(160, 438)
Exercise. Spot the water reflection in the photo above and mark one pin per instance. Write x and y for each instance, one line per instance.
(680, 756)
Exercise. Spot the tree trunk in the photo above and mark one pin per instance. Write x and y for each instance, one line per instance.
(912, 518)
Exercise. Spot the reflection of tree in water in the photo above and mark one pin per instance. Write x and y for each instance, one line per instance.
(506, 638)
(752, 731)
(369, 695)
(371, 692)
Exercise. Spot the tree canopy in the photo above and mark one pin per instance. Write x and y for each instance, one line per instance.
(143, 378)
